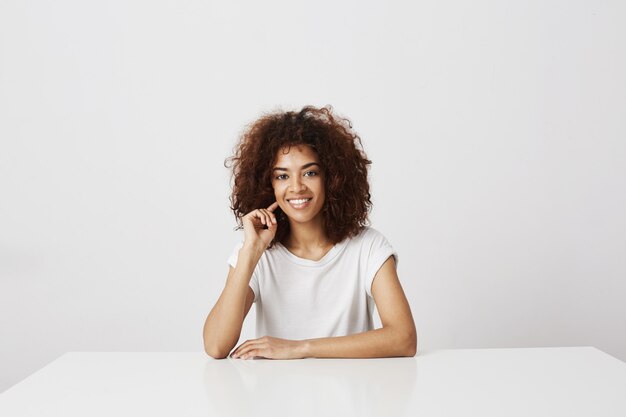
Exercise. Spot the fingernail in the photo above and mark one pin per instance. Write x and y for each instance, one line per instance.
(273, 220)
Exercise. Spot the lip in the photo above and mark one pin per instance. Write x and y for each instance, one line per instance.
(300, 206)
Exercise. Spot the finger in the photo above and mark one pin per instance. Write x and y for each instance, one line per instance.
(270, 217)
(245, 350)
(263, 217)
(241, 346)
(254, 344)
(253, 217)
(273, 206)
(258, 218)
(242, 352)
(234, 352)
(244, 347)
(252, 353)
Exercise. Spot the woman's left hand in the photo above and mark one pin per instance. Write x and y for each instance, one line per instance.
(270, 348)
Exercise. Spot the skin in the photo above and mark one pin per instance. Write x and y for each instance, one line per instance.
(298, 174)
(299, 177)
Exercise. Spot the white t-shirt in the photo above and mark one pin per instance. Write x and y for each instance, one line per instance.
(300, 298)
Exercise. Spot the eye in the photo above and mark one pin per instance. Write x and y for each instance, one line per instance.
(313, 173)
(281, 176)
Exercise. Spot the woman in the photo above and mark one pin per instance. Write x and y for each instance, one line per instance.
(308, 261)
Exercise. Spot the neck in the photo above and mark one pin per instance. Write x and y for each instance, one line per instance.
(307, 236)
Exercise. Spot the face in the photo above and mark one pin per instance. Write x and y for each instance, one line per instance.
(298, 184)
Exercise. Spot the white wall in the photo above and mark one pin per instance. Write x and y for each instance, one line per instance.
(496, 130)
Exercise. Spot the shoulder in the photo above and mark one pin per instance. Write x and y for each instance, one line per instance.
(368, 235)
(367, 239)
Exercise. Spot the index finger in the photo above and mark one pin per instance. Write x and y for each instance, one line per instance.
(273, 206)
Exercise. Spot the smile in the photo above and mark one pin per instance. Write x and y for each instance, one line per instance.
(299, 203)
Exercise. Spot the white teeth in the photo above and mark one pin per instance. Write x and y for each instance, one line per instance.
(301, 201)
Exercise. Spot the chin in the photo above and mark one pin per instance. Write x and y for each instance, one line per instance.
(300, 218)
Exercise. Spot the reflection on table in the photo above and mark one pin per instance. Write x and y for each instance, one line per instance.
(315, 387)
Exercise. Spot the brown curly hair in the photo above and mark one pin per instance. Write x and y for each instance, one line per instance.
(342, 159)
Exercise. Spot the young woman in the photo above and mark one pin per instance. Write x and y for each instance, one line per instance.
(309, 262)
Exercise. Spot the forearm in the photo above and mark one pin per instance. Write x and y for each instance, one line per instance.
(223, 324)
(379, 343)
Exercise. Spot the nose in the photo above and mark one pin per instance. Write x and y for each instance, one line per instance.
(297, 184)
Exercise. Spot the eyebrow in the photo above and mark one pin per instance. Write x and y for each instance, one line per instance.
(303, 166)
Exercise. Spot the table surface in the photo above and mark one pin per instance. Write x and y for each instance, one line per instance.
(580, 381)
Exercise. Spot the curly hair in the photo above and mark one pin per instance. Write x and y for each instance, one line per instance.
(342, 159)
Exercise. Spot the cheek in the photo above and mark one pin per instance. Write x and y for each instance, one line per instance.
(321, 199)
(320, 188)
(279, 190)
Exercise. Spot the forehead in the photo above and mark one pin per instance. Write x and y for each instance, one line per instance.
(296, 155)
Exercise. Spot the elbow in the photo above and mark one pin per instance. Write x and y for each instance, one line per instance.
(402, 341)
(412, 348)
(215, 352)
(409, 344)
(213, 347)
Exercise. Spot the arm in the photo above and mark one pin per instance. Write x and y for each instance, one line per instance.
(397, 337)
(222, 327)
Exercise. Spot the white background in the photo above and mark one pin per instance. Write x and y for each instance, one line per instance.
(496, 130)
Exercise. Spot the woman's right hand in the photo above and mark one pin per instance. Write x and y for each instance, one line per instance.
(253, 227)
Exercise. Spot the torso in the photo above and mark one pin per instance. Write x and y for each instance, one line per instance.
(298, 298)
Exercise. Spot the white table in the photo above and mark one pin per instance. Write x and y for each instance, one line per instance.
(476, 382)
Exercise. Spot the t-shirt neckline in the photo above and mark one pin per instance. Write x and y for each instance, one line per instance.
(329, 256)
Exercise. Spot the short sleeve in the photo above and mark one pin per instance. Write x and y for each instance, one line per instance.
(379, 251)
(254, 281)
